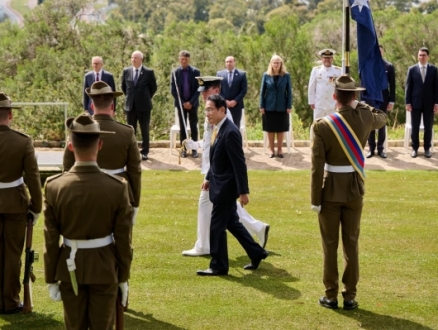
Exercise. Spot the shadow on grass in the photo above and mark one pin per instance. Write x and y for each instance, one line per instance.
(266, 278)
(30, 321)
(139, 320)
(372, 321)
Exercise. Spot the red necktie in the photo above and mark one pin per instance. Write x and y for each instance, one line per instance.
(97, 76)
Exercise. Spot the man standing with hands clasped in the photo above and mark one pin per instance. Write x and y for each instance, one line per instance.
(226, 180)
(337, 186)
(91, 211)
(17, 158)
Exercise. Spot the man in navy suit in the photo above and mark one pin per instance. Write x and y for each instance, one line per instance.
(233, 88)
(187, 83)
(387, 105)
(139, 86)
(226, 180)
(421, 97)
(97, 74)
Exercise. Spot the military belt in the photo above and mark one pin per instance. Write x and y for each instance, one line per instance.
(339, 169)
(16, 183)
(113, 172)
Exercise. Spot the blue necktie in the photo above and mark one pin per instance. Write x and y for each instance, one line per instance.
(136, 77)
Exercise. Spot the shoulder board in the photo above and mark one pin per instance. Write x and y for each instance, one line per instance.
(337, 67)
(317, 66)
(117, 178)
(20, 133)
(123, 124)
(53, 177)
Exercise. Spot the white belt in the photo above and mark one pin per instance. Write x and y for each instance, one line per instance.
(113, 172)
(16, 183)
(339, 169)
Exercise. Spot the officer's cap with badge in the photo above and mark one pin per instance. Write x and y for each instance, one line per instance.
(346, 83)
(6, 103)
(207, 82)
(84, 124)
(326, 52)
(101, 88)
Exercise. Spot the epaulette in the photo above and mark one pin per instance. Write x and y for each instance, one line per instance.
(23, 134)
(117, 178)
(130, 126)
(53, 177)
(337, 67)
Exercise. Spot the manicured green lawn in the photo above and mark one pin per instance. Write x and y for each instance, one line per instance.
(398, 255)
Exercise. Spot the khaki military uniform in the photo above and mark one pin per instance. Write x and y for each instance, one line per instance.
(340, 196)
(17, 157)
(87, 204)
(119, 151)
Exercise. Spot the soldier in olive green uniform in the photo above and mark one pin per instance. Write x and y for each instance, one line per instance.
(17, 157)
(119, 154)
(91, 211)
(337, 189)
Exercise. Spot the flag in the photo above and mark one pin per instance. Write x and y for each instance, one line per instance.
(371, 69)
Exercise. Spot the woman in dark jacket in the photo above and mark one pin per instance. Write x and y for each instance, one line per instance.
(276, 103)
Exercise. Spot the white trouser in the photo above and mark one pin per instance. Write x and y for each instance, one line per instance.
(205, 207)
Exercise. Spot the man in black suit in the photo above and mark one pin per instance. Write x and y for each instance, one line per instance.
(421, 97)
(97, 74)
(139, 86)
(233, 88)
(387, 105)
(187, 85)
(226, 180)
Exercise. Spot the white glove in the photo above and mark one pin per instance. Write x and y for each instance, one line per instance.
(124, 288)
(54, 292)
(134, 215)
(190, 144)
(35, 217)
(317, 209)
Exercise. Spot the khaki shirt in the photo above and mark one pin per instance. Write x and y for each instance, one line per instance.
(340, 187)
(86, 203)
(118, 151)
(17, 157)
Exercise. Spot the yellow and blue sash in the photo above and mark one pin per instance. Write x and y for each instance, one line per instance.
(348, 141)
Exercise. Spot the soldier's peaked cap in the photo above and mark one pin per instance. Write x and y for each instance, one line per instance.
(84, 124)
(206, 82)
(6, 103)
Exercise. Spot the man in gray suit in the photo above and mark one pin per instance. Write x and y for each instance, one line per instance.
(233, 88)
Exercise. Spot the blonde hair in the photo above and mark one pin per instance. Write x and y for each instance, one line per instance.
(282, 70)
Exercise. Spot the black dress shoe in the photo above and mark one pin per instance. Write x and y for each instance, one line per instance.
(15, 310)
(183, 154)
(414, 154)
(427, 154)
(271, 156)
(280, 156)
(327, 303)
(382, 154)
(256, 262)
(144, 157)
(211, 272)
(194, 154)
(370, 154)
(350, 304)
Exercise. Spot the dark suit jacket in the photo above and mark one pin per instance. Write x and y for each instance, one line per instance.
(227, 174)
(89, 80)
(238, 88)
(276, 97)
(141, 94)
(194, 94)
(388, 94)
(422, 96)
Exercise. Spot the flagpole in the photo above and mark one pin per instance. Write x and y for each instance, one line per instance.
(346, 37)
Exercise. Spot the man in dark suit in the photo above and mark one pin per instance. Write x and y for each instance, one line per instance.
(233, 88)
(139, 86)
(421, 97)
(387, 105)
(226, 180)
(97, 74)
(186, 89)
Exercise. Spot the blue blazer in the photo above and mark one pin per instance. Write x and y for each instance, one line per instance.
(276, 98)
(194, 94)
(228, 173)
(238, 88)
(422, 95)
(89, 80)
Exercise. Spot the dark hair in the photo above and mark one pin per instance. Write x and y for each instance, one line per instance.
(344, 97)
(218, 101)
(424, 49)
(83, 142)
(102, 101)
(184, 53)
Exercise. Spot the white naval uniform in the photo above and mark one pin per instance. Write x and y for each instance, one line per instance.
(320, 90)
(205, 206)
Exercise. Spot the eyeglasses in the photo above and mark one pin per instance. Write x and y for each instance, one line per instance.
(208, 110)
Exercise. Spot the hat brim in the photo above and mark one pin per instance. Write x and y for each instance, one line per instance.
(91, 94)
(9, 107)
(70, 120)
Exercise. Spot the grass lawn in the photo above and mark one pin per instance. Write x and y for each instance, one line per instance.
(398, 255)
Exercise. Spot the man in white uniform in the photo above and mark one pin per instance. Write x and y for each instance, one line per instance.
(320, 90)
(209, 85)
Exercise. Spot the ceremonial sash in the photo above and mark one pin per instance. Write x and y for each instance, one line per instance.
(348, 141)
